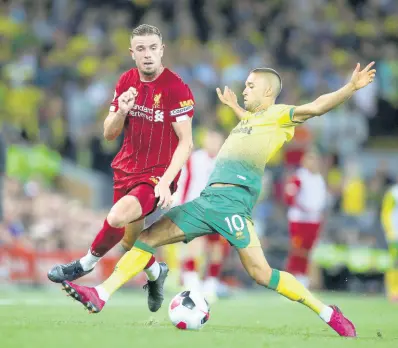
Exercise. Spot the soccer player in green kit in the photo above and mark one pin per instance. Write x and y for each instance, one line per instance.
(225, 205)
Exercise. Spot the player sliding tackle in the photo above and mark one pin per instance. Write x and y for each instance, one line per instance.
(225, 205)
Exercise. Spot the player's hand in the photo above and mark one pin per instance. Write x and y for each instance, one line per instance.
(162, 191)
(126, 100)
(361, 78)
(228, 97)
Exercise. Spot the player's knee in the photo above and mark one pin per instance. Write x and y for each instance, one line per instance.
(124, 211)
(115, 219)
(260, 274)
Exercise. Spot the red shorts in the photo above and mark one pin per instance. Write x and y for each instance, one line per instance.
(145, 195)
(140, 186)
(303, 234)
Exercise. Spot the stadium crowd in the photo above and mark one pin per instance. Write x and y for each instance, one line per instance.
(60, 60)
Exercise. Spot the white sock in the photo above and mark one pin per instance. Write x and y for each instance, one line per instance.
(326, 314)
(191, 280)
(153, 271)
(210, 285)
(89, 261)
(102, 293)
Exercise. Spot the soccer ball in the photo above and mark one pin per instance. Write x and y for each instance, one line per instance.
(189, 310)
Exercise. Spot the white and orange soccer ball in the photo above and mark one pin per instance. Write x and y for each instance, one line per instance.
(189, 310)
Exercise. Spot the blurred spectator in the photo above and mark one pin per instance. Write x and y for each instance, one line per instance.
(354, 192)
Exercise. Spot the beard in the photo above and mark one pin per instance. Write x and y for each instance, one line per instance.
(149, 73)
(150, 70)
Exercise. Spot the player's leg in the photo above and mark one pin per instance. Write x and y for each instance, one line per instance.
(310, 238)
(139, 202)
(132, 231)
(190, 268)
(134, 261)
(287, 285)
(182, 223)
(215, 255)
(302, 239)
(295, 263)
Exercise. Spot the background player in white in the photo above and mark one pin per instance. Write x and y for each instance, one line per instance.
(212, 248)
(306, 196)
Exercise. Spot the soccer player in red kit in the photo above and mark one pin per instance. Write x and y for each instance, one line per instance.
(306, 196)
(154, 107)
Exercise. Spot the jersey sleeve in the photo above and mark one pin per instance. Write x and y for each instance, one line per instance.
(181, 103)
(120, 88)
(285, 116)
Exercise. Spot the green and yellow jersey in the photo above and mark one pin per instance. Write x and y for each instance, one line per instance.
(251, 144)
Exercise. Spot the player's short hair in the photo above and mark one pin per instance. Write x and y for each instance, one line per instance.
(145, 30)
(270, 71)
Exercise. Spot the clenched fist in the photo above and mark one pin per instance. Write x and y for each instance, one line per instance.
(127, 100)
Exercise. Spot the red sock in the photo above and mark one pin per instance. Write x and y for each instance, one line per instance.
(189, 265)
(297, 264)
(150, 262)
(106, 239)
(214, 270)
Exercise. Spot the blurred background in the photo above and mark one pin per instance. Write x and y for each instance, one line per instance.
(59, 63)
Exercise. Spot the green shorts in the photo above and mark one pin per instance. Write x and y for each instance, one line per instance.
(223, 210)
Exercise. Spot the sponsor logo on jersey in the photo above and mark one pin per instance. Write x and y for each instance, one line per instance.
(156, 100)
(245, 130)
(185, 103)
(142, 111)
(159, 116)
(180, 111)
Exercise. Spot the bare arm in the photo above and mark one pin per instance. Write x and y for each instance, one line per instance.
(329, 101)
(113, 125)
(229, 98)
(182, 152)
(114, 122)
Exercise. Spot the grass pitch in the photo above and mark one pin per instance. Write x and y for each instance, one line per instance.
(44, 319)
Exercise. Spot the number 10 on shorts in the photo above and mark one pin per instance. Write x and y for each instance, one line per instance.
(235, 223)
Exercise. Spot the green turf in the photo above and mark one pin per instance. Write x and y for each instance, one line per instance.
(262, 319)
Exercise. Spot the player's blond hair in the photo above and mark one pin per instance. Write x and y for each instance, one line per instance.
(146, 29)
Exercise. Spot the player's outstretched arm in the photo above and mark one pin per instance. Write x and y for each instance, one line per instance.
(229, 98)
(327, 102)
(114, 122)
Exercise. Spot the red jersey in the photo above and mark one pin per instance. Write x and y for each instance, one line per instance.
(149, 138)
